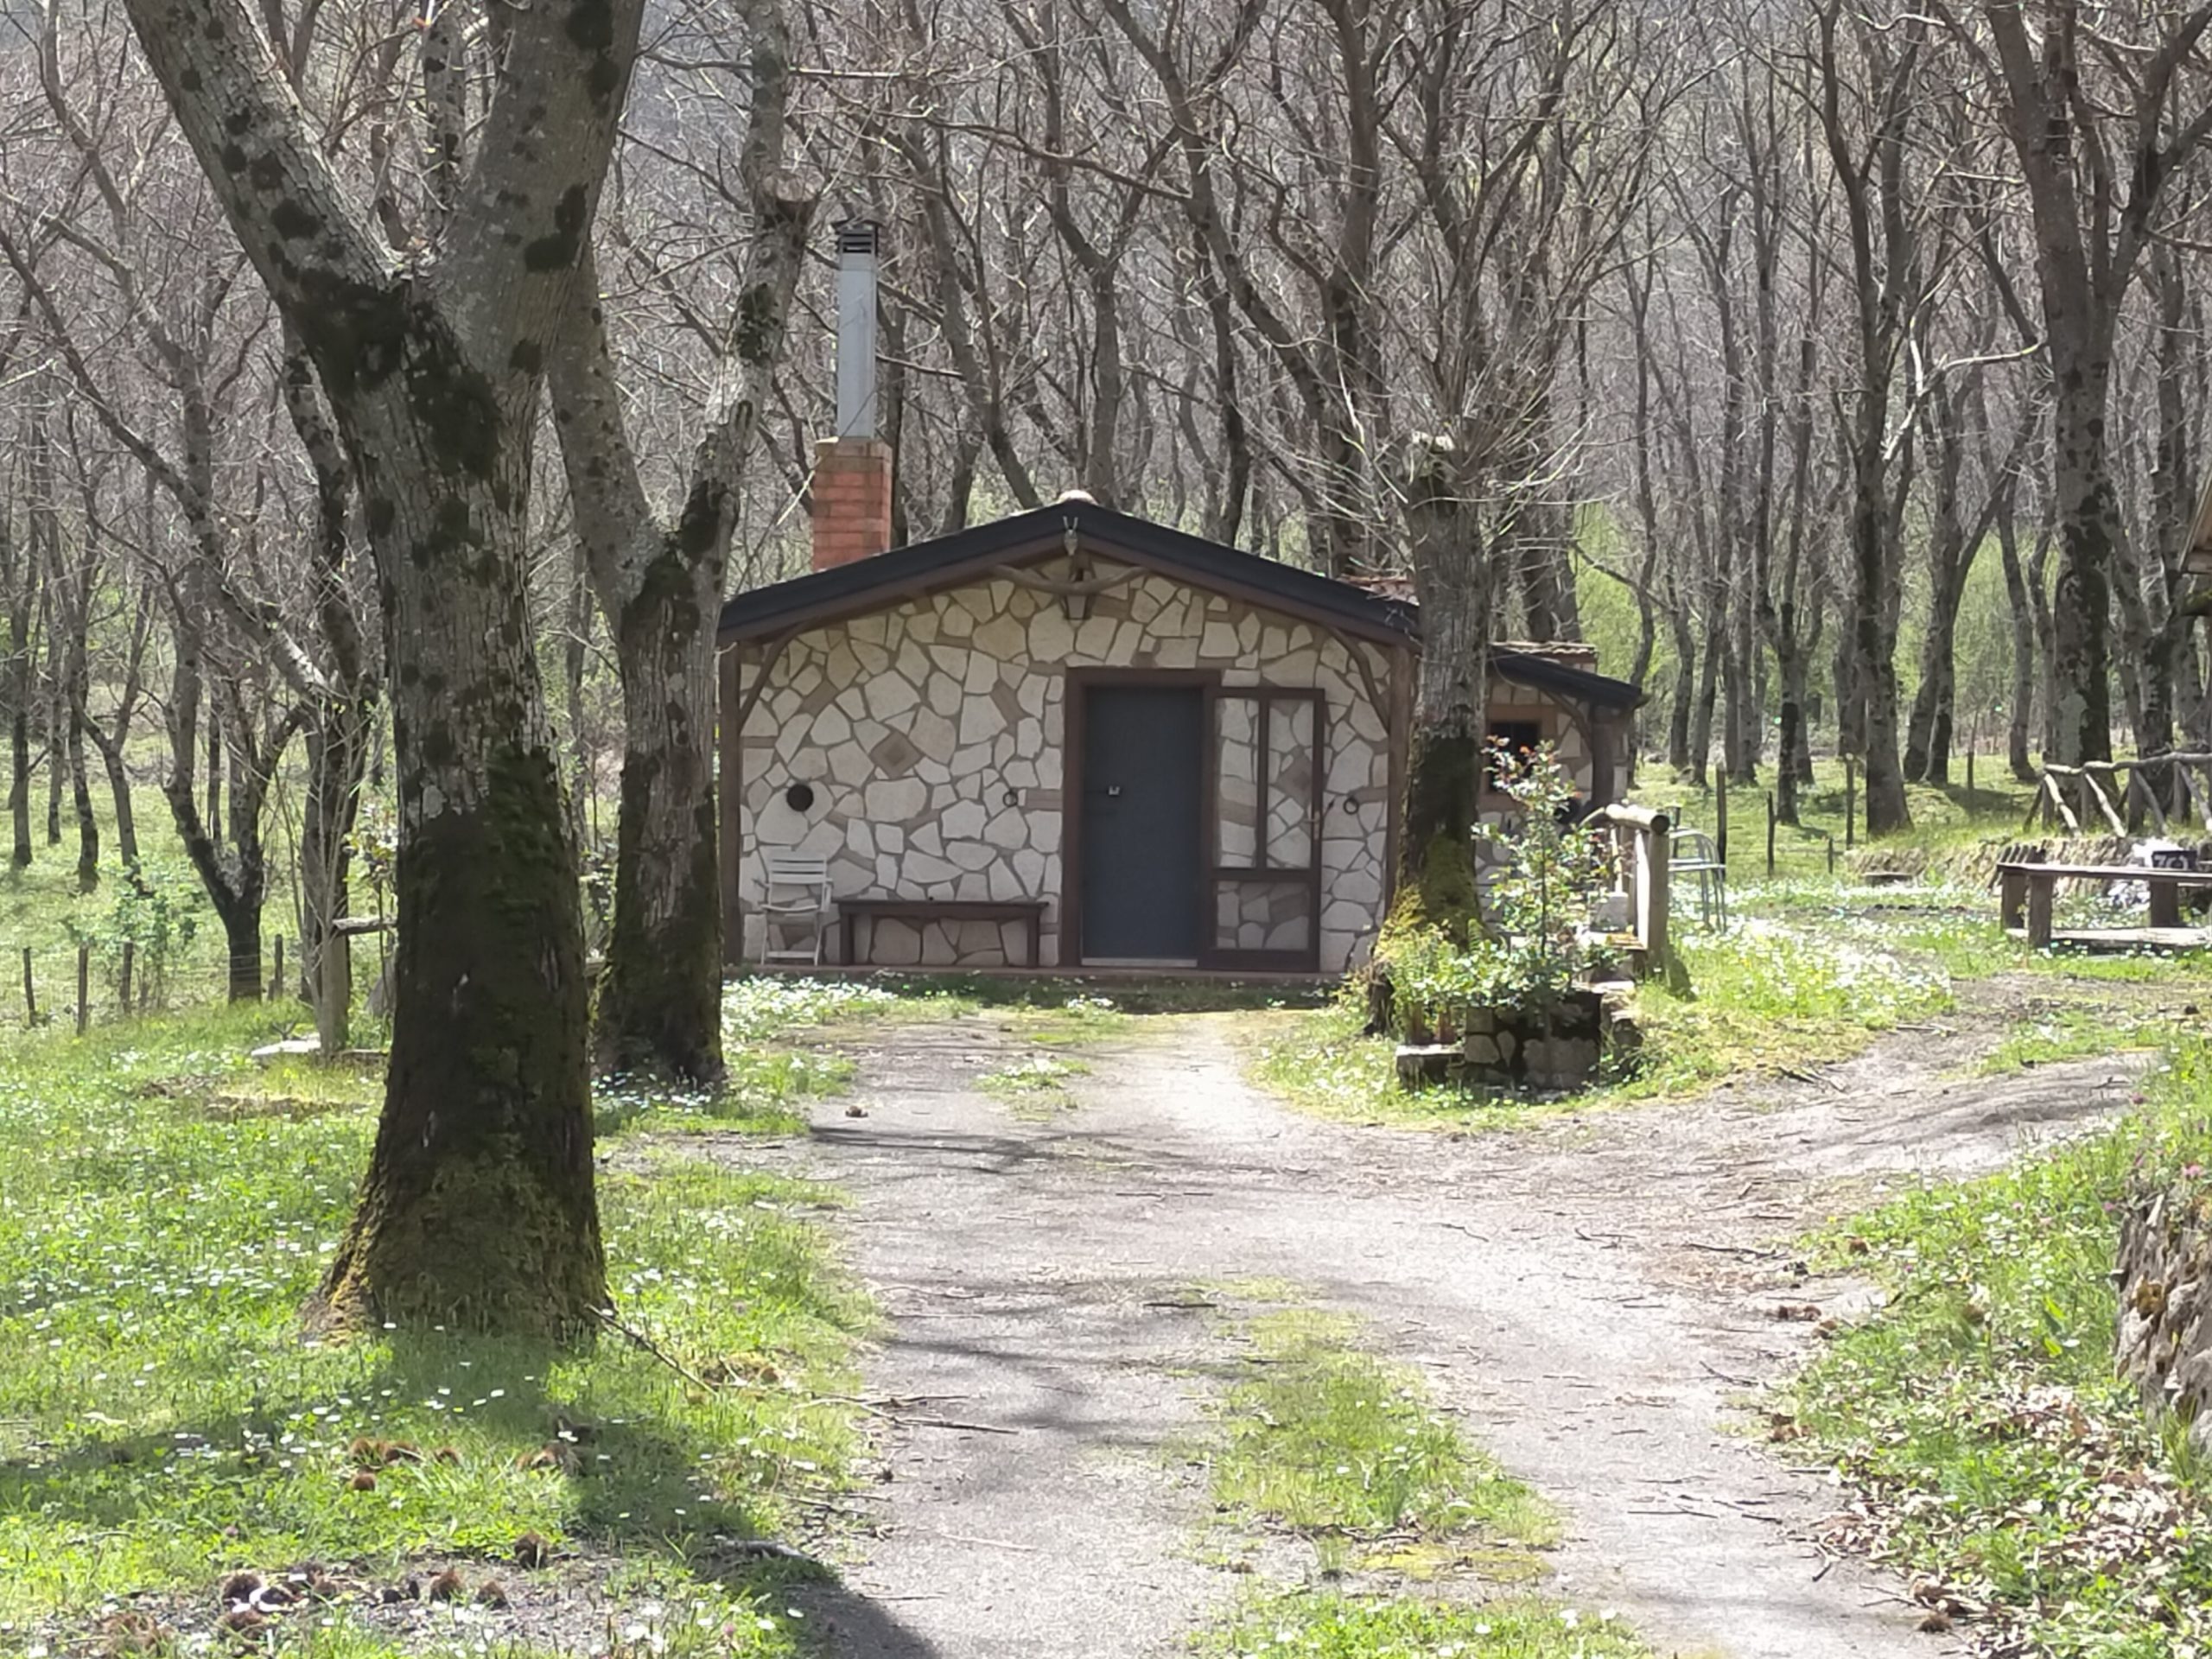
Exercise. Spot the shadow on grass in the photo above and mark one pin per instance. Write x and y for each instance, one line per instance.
(635, 1492)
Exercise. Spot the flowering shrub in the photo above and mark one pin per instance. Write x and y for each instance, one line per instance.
(1533, 948)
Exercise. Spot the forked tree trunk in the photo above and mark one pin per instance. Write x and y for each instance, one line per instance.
(1929, 727)
(660, 998)
(1452, 580)
(1684, 692)
(478, 1209)
(1708, 690)
(660, 588)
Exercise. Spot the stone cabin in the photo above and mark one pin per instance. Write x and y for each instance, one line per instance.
(1193, 757)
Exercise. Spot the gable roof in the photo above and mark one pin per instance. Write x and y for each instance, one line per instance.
(945, 561)
(824, 596)
(1549, 674)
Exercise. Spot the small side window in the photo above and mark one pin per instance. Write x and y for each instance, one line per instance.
(1518, 736)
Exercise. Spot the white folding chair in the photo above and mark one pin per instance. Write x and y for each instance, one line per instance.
(1692, 853)
(797, 896)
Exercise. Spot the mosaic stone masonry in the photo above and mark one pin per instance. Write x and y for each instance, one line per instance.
(930, 733)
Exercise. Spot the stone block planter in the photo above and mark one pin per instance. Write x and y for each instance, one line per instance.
(1560, 1049)
(2164, 1344)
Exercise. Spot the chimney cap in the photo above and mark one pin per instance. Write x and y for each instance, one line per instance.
(857, 235)
(1077, 498)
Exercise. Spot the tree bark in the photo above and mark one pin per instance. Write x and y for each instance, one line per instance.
(478, 1209)
(2018, 728)
(1685, 690)
(17, 686)
(1443, 771)
(660, 587)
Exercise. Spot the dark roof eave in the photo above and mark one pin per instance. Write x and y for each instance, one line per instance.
(1579, 684)
(824, 596)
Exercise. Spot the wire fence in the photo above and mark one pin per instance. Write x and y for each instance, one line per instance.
(73, 984)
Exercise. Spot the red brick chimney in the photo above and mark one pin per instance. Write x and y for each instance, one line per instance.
(851, 494)
(851, 499)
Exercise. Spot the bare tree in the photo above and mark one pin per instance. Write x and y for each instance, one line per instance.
(659, 581)
(2102, 109)
(478, 1207)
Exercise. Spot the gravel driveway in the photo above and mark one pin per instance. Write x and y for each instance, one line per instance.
(1595, 1296)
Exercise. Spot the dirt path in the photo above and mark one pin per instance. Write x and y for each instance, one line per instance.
(1592, 1295)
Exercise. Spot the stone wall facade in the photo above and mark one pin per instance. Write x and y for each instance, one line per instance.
(930, 737)
(1582, 744)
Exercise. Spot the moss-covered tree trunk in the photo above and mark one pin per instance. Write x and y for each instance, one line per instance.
(660, 996)
(660, 587)
(1454, 583)
(478, 1209)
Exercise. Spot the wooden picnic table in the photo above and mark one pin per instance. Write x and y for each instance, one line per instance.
(2025, 889)
(852, 911)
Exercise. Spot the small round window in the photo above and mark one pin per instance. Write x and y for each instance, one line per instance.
(799, 797)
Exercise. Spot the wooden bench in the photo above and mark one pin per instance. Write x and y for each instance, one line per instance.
(2025, 884)
(852, 911)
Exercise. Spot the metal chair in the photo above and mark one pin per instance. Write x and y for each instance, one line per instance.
(797, 895)
(1703, 861)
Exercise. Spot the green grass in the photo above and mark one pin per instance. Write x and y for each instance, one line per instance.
(1978, 1412)
(163, 1419)
(1763, 997)
(1770, 994)
(1944, 821)
(1321, 1438)
(2071, 1034)
(1334, 1626)
(1036, 1086)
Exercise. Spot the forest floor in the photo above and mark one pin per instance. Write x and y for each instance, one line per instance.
(1068, 1264)
(1058, 1319)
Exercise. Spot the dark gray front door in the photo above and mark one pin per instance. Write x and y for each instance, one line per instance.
(1141, 830)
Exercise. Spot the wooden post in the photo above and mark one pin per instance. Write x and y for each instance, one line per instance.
(2039, 897)
(1831, 855)
(1655, 849)
(1850, 802)
(2166, 902)
(83, 987)
(130, 956)
(1769, 832)
(30, 991)
(729, 792)
(276, 979)
(1720, 814)
(1970, 766)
